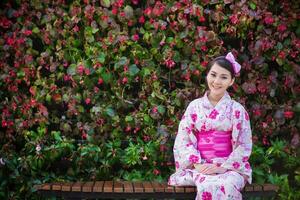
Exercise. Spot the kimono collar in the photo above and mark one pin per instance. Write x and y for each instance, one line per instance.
(226, 98)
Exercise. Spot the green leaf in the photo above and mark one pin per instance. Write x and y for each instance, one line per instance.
(56, 136)
(101, 57)
(105, 3)
(110, 111)
(161, 109)
(35, 30)
(133, 70)
(72, 69)
(128, 118)
(252, 5)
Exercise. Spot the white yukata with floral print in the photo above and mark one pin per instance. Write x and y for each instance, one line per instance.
(201, 115)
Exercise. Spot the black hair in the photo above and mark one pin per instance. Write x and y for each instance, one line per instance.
(222, 62)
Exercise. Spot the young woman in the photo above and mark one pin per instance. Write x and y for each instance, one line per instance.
(214, 141)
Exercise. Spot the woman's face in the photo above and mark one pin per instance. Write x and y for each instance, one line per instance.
(218, 80)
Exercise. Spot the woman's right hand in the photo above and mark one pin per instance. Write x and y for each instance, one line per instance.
(209, 169)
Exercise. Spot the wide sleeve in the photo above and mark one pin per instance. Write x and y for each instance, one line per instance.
(185, 146)
(238, 160)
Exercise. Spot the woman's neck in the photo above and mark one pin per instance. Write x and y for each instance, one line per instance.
(213, 98)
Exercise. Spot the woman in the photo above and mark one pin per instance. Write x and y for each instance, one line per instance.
(214, 142)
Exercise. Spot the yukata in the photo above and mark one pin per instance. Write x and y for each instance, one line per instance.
(221, 135)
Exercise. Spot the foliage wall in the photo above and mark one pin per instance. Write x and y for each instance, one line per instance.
(94, 89)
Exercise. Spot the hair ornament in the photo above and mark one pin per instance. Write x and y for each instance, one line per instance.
(236, 66)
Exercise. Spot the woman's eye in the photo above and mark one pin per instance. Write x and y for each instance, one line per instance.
(213, 75)
(224, 78)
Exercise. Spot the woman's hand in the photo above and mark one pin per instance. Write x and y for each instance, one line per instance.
(209, 169)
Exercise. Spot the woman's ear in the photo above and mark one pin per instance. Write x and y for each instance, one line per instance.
(232, 81)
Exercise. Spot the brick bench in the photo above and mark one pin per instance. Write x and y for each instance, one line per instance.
(136, 190)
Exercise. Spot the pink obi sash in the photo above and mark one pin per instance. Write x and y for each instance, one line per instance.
(214, 144)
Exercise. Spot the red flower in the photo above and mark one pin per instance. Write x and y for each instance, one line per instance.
(114, 11)
(142, 19)
(156, 172)
(288, 114)
(269, 19)
(84, 136)
(4, 123)
(147, 11)
(124, 80)
(27, 32)
(100, 81)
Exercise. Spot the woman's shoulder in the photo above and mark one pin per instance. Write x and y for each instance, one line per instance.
(238, 106)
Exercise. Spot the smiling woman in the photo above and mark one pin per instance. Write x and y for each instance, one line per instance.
(214, 143)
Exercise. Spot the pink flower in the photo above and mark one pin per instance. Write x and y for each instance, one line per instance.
(247, 166)
(177, 165)
(223, 189)
(206, 196)
(201, 179)
(135, 37)
(88, 101)
(236, 165)
(269, 19)
(194, 117)
(239, 126)
(237, 114)
(193, 159)
(169, 63)
(213, 114)
(234, 19)
(4, 123)
(281, 27)
(245, 158)
(142, 19)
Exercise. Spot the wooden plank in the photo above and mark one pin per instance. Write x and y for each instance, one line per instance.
(157, 186)
(168, 188)
(248, 188)
(98, 186)
(270, 187)
(118, 187)
(190, 189)
(66, 187)
(88, 186)
(128, 187)
(148, 187)
(138, 187)
(56, 186)
(179, 189)
(46, 186)
(257, 187)
(76, 187)
(108, 186)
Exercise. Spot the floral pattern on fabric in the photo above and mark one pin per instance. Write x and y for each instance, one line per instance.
(201, 115)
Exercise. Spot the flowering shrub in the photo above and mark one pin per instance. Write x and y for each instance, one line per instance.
(95, 89)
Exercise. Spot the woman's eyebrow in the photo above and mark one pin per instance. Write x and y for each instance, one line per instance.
(217, 73)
